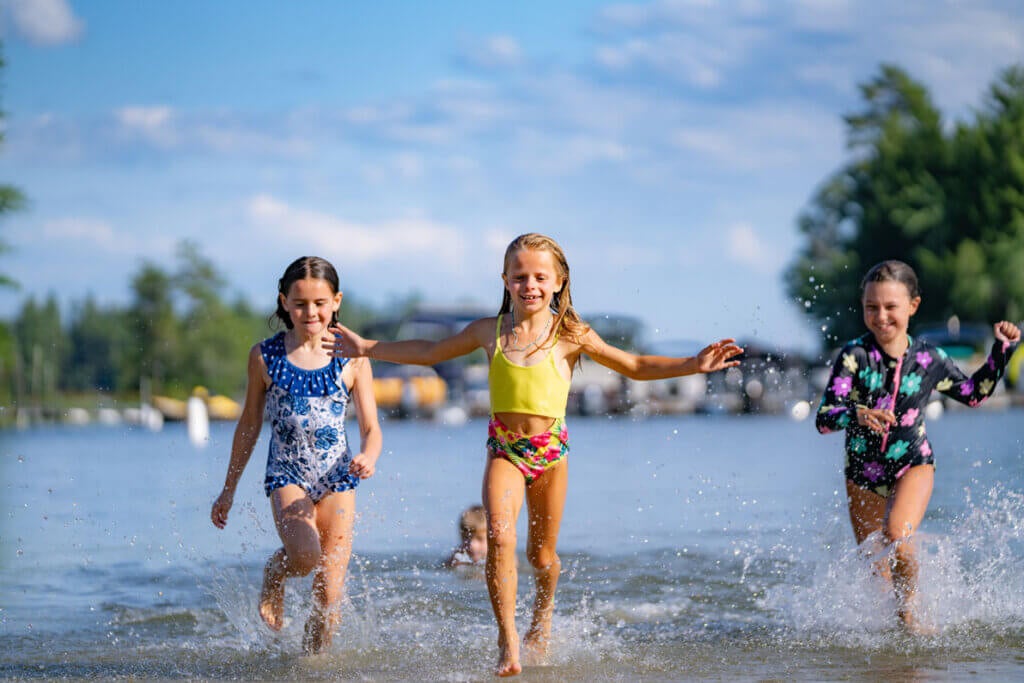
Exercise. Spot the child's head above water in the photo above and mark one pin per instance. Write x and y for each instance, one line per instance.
(305, 268)
(473, 533)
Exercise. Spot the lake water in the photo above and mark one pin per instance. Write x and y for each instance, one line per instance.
(693, 548)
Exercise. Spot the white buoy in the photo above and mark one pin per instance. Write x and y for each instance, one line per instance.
(452, 415)
(934, 410)
(800, 410)
(198, 422)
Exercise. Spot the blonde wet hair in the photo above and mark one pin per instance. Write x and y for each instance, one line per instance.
(567, 320)
(472, 518)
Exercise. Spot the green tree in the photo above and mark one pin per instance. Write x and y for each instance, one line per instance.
(154, 331)
(11, 199)
(41, 348)
(98, 339)
(947, 204)
(986, 206)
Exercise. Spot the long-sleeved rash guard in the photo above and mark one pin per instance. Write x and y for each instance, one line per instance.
(864, 375)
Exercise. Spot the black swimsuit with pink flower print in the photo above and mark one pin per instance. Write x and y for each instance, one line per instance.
(864, 375)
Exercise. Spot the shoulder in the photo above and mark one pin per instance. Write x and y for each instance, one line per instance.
(575, 331)
(273, 345)
(482, 328)
(919, 344)
(357, 365)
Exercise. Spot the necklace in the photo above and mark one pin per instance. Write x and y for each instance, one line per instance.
(515, 336)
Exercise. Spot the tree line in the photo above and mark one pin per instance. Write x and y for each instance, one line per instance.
(177, 332)
(946, 199)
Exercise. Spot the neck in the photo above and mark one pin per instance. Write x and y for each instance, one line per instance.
(897, 347)
(300, 339)
(541, 317)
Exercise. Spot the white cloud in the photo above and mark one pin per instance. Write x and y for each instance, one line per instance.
(494, 52)
(46, 22)
(397, 239)
(745, 247)
(81, 235)
(155, 124)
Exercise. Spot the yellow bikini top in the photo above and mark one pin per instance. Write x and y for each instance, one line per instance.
(533, 390)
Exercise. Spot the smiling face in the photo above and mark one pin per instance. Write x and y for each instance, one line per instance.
(311, 304)
(888, 308)
(531, 279)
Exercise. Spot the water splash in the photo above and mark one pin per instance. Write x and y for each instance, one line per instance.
(971, 584)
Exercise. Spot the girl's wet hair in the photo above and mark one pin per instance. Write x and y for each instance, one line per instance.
(566, 317)
(302, 268)
(893, 271)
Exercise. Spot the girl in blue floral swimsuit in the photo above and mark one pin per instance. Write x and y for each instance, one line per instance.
(311, 474)
(877, 392)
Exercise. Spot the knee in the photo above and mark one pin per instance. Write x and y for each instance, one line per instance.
(898, 533)
(543, 559)
(501, 536)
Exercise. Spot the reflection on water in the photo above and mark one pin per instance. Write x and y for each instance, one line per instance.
(693, 548)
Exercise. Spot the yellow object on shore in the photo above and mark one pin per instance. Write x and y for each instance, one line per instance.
(218, 407)
(1015, 366)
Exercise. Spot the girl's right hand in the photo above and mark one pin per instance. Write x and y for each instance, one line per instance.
(875, 420)
(221, 507)
(1006, 332)
(345, 343)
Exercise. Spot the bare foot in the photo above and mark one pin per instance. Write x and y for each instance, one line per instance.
(913, 625)
(535, 644)
(508, 659)
(272, 593)
(319, 631)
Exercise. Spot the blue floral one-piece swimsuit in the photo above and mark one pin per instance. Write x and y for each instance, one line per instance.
(306, 410)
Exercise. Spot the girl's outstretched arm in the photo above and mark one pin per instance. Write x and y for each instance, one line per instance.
(364, 464)
(247, 431)
(975, 389)
(711, 358)
(348, 344)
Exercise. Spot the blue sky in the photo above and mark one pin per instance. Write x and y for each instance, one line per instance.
(668, 146)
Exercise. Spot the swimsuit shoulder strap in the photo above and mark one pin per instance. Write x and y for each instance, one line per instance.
(497, 334)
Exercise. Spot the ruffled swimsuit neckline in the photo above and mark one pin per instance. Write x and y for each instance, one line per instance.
(298, 381)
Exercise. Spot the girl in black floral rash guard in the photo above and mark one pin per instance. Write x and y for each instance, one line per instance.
(877, 392)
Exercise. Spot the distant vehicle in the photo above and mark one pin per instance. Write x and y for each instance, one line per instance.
(432, 324)
(962, 342)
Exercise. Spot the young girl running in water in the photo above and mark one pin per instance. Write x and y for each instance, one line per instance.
(877, 392)
(533, 344)
(311, 474)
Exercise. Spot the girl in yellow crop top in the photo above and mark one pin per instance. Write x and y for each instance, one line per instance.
(533, 344)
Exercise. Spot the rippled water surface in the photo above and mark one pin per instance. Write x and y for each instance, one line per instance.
(693, 548)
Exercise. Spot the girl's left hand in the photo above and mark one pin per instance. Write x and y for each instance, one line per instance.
(363, 466)
(718, 356)
(1006, 332)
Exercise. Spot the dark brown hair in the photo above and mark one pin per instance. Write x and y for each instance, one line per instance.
(893, 271)
(300, 269)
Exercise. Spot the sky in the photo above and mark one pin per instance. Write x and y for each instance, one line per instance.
(668, 146)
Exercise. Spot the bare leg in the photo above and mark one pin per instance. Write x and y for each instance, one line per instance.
(503, 498)
(867, 515)
(909, 502)
(295, 517)
(335, 515)
(545, 502)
